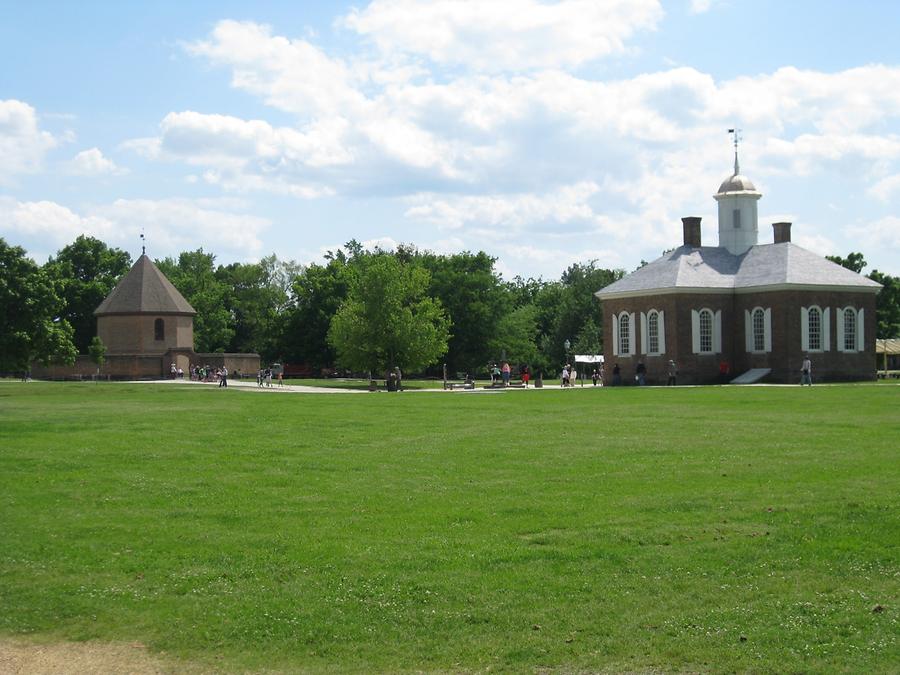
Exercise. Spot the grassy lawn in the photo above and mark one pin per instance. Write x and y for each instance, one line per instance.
(697, 529)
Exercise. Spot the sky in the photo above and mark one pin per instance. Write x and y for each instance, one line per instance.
(544, 133)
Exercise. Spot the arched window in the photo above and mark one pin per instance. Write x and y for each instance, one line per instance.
(624, 333)
(814, 329)
(849, 329)
(759, 330)
(159, 330)
(653, 333)
(706, 331)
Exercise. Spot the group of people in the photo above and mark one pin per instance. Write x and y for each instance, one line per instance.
(503, 373)
(640, 374)
(393, 379)
(264, 377)
(175, 372)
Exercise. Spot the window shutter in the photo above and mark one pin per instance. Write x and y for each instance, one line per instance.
(804, 329)
(860, 329)
(632, 348)
(839, 319)
(768, 329)
(748, 331)
(695, 331)
(662, 332)
(615, 335)
(717, 332)
(826, 329)
(643, 333)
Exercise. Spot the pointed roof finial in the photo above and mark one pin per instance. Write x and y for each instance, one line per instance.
(143, 243)
(736, 133)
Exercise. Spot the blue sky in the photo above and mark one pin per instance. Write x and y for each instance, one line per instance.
(544, 133)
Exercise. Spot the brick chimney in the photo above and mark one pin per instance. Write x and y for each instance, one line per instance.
(782, 232)
(691, 231)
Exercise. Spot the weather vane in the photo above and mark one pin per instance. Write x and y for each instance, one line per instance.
(736, 134)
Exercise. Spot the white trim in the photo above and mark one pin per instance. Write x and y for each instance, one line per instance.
(632, 338)
(748, 331)
(643, 333)
(661, 322)
(717, 332)
(826, 329)
(615, 334)
(860, 323)
(695, 331)
(741, 290)
(839, 319)
(768, 330)
(804, 329)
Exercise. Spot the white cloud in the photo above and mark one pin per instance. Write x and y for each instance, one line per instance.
(171, 225)
(501, 35)
(93, 163)
(22, 143)
(886, 188)
(701, 6)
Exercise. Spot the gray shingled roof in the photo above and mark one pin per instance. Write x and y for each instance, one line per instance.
(713, 267)
(144, 290)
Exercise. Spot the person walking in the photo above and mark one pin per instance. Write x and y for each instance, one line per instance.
(223, 381)
(806, 371)
(565, 376)
(641, 374)
(399, 375)
(617, 375)
(505, 372)
(526, 375)
(673, 374)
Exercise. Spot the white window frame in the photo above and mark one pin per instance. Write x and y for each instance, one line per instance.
(618, 334)
(749, 335)
(859, 342)
(825, 344)
(646, 339)
(716, 330)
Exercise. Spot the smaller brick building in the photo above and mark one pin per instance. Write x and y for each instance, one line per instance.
(740, 306)
(146, 326)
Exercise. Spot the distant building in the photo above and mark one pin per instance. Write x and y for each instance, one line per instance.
(752, 309)
(147, 326)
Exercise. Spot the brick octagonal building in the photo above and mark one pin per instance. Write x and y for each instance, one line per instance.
(754, 307)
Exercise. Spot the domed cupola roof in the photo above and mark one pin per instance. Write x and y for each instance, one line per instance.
(736, 183)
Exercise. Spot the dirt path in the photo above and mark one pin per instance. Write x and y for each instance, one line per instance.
(21, 657)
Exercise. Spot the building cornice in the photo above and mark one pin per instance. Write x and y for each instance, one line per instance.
(744, 290)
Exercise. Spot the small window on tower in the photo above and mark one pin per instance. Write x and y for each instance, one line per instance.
(737, 218)
(159, 329)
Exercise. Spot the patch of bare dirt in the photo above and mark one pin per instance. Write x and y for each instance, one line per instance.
(20, 657)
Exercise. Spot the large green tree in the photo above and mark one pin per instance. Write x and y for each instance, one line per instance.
(85, 272)
(388, 319)
(259, 298)
(317, 293)
(194, 275)
(887, 305)
(30, 327)
(475, 299)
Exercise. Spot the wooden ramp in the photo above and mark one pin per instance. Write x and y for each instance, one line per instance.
(751, 376)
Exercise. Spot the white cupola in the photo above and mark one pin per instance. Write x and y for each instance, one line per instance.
(738, 217)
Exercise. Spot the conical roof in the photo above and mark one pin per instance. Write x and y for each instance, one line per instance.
(144, 290)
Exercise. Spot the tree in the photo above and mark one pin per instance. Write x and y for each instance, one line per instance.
(259, 298)
(887, 309)
(475, 299)
(514, 336)
(387, 319)
(855, 261)
(97, 351)
(194, 276)
(29, 310)
(317, 293)
(86, 271)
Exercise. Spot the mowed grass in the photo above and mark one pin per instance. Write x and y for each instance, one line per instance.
(686, 529)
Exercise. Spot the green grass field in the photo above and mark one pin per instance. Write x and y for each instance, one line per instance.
(687, 529)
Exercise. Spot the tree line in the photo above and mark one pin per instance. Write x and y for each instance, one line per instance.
(360, 310)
